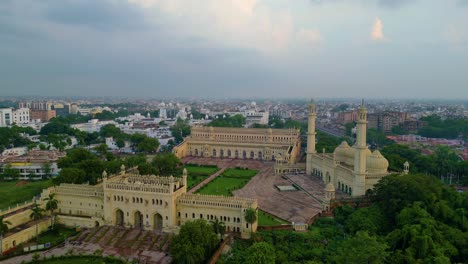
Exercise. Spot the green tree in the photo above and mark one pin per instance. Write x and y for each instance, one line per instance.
(146, 169)
(361, 248)
(218, 227)
(250, 216)
(148, 145)
(71, 175)
(47, 170)
(260, 253)
(3, 230)
(194, 243)
(166, 163)
(36, 215)
(10, 172)
(101, 149)
(120, 143)
(180, 130)
(51, 206)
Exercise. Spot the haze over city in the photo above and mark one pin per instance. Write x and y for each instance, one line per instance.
(243, 49)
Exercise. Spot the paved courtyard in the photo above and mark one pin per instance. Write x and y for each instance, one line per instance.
(294, 206)
(148, 246)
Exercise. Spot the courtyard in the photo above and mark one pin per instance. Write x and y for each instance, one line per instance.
(293, 206)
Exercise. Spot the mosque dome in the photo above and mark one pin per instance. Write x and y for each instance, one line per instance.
(343, 151)
(377, 163)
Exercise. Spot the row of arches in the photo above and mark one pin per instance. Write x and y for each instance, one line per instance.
(138, 220)
(345, 188)
(221, 153)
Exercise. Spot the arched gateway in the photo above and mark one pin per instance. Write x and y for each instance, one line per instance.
(119, 217)
(158, 222)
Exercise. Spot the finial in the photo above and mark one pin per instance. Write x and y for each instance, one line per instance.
(184, 172)
(122, 168)
(104, 174)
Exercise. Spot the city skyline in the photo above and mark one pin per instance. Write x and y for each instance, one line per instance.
(241, 49)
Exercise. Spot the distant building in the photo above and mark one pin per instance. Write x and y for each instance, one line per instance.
(6, 117)
(43, 115)
(21, 116)
(385, 121)
(413, 126)
(254, 117)
(33, 163)
(347, 117)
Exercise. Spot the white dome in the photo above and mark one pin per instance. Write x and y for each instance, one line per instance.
(377, 163)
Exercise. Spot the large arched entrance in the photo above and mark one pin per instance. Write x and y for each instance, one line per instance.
(158, 222)
(119, 218)
(138, 220)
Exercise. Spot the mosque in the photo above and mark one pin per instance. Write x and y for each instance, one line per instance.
(352, 169)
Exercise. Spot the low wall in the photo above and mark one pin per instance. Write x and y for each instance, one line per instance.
(274, 228)
(18, 219)
(76, 221)
(219, 251)
(24, 235)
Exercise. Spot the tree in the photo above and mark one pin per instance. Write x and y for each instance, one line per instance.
(148, 145)
(10, 172)
(3, 230)
(180, 130)
(260, 253)
(47, 170)
(218, 227)
(250, 216)
(70, 175)
(194, 243)
(51, 205)
(101, 149)
(146, 169)
(166, 163)
(120, 143)
(361, 248)
(36, 215)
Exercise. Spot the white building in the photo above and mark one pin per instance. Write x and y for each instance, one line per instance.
(21, 116)
(6, 117)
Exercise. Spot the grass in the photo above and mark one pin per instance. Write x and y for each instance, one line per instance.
(57, 235)
(198, 173)
(12, 194)
(266, 219)
(229, 181)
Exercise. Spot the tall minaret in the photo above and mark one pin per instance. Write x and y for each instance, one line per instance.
(360, 155)
(311, 137)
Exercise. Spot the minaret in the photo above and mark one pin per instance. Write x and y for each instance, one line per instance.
(311, 137)
(360, 155)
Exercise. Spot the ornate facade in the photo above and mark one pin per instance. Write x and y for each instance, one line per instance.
(353, 170)
(242, 143)
(147, 202)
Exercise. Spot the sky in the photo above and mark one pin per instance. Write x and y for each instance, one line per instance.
(235, 48)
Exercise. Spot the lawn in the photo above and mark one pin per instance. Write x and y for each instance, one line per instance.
(229, 181)
(266, 219)
(57, 235)
(198, 173)
(12, 194)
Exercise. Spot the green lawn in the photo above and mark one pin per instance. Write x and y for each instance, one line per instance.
(266, 219)
(57, 235)
(11, 194)
(230, 180)
(197, 174)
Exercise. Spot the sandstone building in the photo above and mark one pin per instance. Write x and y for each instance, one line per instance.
(147, 202)
(242, 143)
(353, 170)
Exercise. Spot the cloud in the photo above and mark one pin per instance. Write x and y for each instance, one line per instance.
(377, 30)
(393, 3)
(454, 36)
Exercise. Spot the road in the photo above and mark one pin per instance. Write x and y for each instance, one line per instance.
(331, 132)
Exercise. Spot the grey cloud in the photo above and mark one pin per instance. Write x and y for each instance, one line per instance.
(393, 3)
(101, 14)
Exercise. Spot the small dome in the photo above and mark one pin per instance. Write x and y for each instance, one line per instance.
(342, 151)
(330, 187)
(376, 162)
